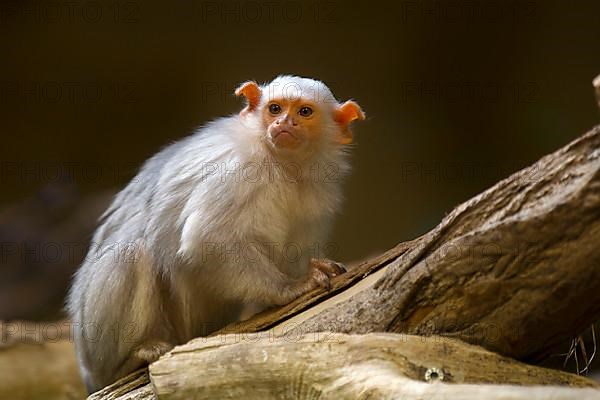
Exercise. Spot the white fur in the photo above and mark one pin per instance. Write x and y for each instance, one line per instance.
(291, 87)
(163, 265)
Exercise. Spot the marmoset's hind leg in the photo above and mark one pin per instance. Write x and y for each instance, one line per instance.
(143, 355)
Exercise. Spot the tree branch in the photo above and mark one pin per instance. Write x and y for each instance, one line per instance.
(337, 366)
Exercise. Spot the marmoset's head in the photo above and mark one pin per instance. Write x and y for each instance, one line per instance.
(299, 113)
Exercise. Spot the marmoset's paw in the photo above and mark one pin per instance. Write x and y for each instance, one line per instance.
(323, 270)
(151, 351)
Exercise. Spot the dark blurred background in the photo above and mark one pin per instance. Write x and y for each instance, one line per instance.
(459, 94)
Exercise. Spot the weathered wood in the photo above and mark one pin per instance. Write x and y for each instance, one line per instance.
(515, 269)
(135, 386)
(338, 366)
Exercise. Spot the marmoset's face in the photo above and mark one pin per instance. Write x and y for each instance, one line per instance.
(292, 123)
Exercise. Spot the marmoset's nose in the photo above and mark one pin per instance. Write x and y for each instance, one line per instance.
(286, 120)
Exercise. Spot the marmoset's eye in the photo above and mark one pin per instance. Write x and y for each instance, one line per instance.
(274, 108)
(305, 111)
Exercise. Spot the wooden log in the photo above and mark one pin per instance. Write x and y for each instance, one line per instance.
(338, 366)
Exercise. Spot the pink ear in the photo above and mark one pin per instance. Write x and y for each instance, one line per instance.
(251, 92)
(344, 115)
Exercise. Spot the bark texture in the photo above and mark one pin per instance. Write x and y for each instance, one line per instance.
(338, 366)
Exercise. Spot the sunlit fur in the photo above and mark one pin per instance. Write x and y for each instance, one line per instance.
(163, 266)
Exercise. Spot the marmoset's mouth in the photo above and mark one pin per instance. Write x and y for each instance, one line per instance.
(283, 132)
(285, 138)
